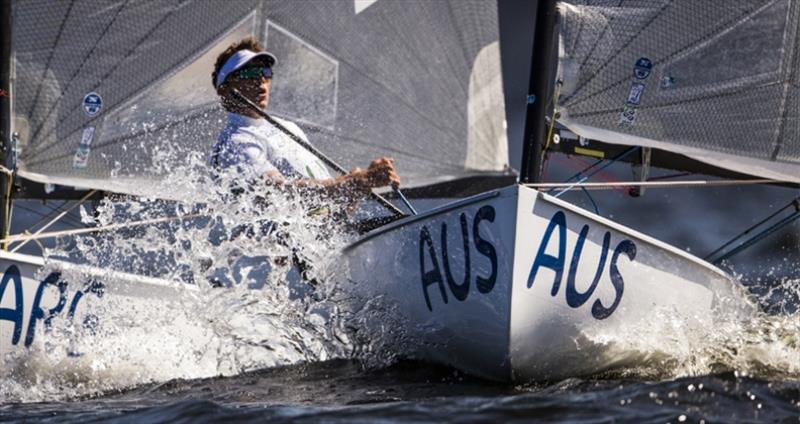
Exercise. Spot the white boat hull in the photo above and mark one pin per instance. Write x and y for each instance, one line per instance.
(508, 285)
(30, 299)
(517, 285)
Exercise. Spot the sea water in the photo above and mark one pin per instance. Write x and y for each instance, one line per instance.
(251, 340)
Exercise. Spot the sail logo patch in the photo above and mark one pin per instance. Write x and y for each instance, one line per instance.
(635, 94)
(642, 68)
(81, 158)
(92, 103)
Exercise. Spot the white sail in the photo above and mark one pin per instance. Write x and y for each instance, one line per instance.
(716, 81)
(116, 95)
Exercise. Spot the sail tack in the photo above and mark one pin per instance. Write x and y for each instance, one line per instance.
(117, 94)
(716, 81)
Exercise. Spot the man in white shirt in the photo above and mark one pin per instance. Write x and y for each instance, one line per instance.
(258, 149)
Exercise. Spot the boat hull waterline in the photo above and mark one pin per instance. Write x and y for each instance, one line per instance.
(517, 285)
(511, 284)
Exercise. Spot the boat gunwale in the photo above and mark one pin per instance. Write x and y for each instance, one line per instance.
(424, 215)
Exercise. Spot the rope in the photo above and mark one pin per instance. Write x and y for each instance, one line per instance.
(654, 184)
(54, 220)
(757, 237)
(38, 236)
(7, 204)
(569, 186)
(552, 124)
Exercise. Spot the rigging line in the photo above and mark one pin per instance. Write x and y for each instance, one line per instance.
(654, 184)
(54, 210)
(124, 57)
(662, 59)
(784, 222)
(50, 58)
(75, 74)
(47, 215)
(597, 162)
(610, 162)
(795, 203)
(54, 220)
(591, 199)
(670, 176)
(552, 124)
(79, 231)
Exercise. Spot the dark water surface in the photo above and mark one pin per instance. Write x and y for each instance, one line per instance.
(342, 391)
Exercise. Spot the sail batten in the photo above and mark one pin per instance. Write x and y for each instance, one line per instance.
(714, 81)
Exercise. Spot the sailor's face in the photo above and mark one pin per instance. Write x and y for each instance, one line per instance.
(252, 83)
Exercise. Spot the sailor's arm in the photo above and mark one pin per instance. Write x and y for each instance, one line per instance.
(357, 182)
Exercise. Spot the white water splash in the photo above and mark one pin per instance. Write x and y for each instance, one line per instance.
(736, 338)
(239, 305)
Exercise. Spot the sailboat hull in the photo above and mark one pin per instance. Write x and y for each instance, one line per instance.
(32, 299)
(517, 285)
(508, 285)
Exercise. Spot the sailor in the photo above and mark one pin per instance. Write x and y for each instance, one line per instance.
(255, 149)
(258, 149)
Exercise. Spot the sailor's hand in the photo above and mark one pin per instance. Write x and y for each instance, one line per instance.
(381, 173)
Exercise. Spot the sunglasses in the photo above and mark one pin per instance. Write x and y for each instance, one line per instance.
(253, 72)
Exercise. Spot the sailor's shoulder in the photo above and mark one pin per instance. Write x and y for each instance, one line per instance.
(291, 126)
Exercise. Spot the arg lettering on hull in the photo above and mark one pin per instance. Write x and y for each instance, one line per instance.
(35, 300)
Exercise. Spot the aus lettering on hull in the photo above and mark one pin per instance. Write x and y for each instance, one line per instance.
(556, 235)
(431, 251)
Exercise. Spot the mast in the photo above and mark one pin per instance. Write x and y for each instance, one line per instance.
(538, 92)
(5, 116)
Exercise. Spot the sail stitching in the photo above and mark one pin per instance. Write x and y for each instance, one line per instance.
(616, 53)
(596, 43)
(400, 98)
(50, 58)
(667, 58)
(114, 69)
(78, 70)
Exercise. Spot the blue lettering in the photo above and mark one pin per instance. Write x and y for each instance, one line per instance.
(460, 291)
(575, 299)
(598, 310)
(38, 313)
(556, 263)
(485, 285)
(433, 276)
(13, 315)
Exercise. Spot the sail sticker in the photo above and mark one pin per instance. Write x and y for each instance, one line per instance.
(81, 158)
(642, 68)
(635, 94)
(628, 116)
(92, 103)
(668, 81)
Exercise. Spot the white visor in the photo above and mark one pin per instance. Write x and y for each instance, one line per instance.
(238, 60)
